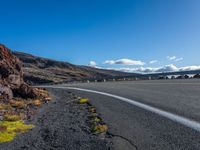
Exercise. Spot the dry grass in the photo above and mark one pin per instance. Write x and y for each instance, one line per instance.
(48, 98)
(37, 102)
(12, 118)
(3, 128)
(5, 107)
(18, 103)
(42, 92)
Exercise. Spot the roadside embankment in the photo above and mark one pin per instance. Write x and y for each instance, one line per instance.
(65, 123)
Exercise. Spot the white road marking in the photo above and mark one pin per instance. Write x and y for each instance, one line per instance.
(142, 83)
(176, 118)
(162, 83)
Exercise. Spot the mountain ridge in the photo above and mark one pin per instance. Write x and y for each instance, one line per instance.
(39, 70)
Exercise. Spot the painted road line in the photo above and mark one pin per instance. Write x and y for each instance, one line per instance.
(176, 118)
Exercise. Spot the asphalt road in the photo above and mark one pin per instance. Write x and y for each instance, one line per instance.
(144, 129)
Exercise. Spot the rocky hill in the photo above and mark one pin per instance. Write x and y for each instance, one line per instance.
(38, 70)
(11, 77)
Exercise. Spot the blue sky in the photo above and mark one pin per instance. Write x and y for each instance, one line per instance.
(120, 34)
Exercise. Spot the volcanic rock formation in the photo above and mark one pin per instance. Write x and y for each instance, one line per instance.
(11, 77)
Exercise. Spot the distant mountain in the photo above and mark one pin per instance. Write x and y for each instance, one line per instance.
(38, 70)
(156, 75)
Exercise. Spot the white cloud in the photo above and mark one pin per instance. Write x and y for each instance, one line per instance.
(174, 58)
(171, 57)
(188, 68)
(110, 62)
(92, 63)
(153, 61)
(179, 59)
(134, 70)
(124, 62)
(166, 68)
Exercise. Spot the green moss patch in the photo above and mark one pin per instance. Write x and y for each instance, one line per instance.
(97, 126)
(83, 101)
(11, 128)
(15, 111)
(6, 137)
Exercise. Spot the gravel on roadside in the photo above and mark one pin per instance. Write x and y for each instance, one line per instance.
(60, 125)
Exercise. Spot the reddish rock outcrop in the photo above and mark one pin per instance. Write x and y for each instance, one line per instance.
(11, 76)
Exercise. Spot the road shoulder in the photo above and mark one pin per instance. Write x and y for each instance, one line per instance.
(61, 124)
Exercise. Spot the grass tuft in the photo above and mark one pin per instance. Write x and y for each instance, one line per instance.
(100, 129)
(17, 104)
(12, 118)
(42, 92)
(37, 102)
(83, 101)
(5, 107)
(97, 119)
(48, 98)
